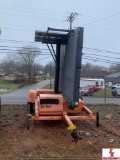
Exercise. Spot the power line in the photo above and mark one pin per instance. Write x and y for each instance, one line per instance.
(99, 50)
(100, 55)
(30, 30)
(100, 60)
(23, 53)
(70, 18)
(25, 8)
(24, 16)
(103, 18)
(40, 12)
(43, 58)
(14, 41)
(112, 23)
(77, 14)
(84, 48)
(18, 28)
(18, 47)
(5, 49)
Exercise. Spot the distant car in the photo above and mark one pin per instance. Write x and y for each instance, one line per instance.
(116, 86)
(95, 87)
(86, 91)
(116, 92)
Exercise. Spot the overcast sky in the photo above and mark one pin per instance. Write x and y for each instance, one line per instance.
(100, 18)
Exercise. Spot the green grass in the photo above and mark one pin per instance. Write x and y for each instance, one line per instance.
(2, 93)
(10, 85)
(105, 109)
(101, 93)
(48, 86)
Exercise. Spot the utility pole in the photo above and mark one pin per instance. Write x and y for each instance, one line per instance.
(71, 18)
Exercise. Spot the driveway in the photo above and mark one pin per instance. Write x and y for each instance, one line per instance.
(20, 96)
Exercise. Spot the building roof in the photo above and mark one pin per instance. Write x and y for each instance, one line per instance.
(17, 73)
(95, 73)
(115, 77)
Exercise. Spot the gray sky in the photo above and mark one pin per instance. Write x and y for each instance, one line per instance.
(100, 18)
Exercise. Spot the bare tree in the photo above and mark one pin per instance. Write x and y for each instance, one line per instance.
(9, 63)
(50, 68)
(88, 66)
(26, 56)
(115, 68)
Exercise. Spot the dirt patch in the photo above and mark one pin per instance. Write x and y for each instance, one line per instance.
(51, 139)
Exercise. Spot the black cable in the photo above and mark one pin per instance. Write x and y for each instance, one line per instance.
(32, 9)
(23, 16)
(99, 50)
(100, 55)
(26, 42)
(100, 60)
(102, 18)
(43, 58)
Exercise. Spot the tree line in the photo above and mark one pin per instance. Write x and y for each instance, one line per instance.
(24, 61)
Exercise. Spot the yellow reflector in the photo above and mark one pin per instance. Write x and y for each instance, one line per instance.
(72, 127)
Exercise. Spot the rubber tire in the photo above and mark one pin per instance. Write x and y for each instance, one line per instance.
(31, 107)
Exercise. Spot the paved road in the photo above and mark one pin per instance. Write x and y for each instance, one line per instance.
(20, 96)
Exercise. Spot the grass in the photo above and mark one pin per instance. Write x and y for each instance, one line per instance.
(101, 93)
(10, 85)
(105, 109)
(48, 86)
(2, 93)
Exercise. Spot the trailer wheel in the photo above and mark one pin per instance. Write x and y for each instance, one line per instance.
(31, 108)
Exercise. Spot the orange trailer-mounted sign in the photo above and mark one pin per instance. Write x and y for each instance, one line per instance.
(53, 107)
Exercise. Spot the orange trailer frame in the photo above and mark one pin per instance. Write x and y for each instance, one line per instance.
(50, 106)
